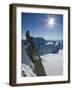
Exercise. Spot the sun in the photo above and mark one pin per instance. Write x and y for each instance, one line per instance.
(50, 22)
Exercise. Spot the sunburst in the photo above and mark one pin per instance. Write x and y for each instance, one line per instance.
(51, 22)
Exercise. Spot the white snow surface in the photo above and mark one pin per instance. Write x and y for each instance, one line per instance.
(53, 63)
(49, 43)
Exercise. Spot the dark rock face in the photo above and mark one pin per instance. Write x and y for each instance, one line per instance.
(60, 45)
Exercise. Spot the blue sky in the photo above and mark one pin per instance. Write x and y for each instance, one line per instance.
(38, 26)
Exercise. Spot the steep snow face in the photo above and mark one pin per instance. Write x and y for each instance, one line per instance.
(53, 63)
(27, 67)
(27, 71)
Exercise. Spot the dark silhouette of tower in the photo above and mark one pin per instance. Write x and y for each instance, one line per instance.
(33, 53)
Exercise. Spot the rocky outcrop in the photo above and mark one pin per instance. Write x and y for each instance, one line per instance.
(33, 54)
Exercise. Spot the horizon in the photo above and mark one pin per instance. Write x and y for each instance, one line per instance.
(46, 39)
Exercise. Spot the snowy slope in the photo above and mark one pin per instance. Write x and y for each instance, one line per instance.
(53, 63)
(27, 67)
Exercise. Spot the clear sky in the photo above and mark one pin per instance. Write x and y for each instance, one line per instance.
(48, 26)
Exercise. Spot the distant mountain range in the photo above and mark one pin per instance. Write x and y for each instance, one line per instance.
(45, 46)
